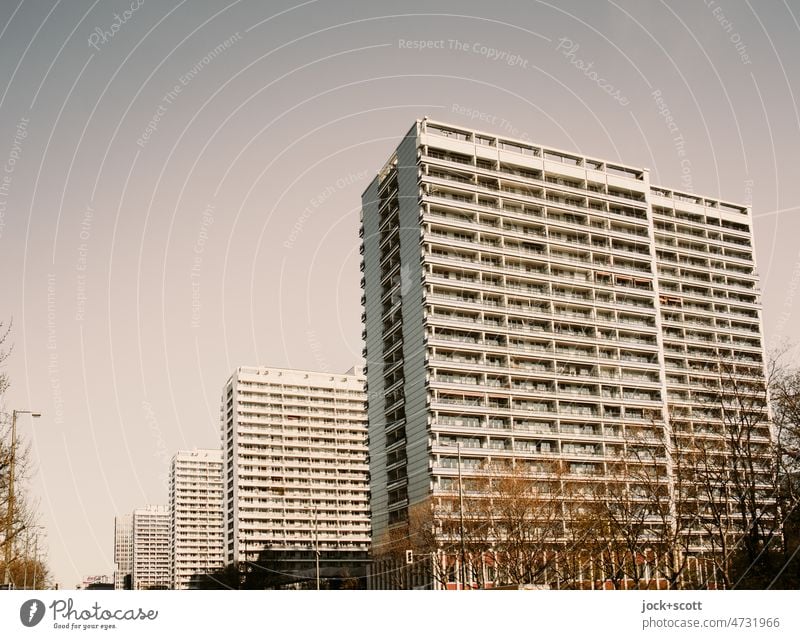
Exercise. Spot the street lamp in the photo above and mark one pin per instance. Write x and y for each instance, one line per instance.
(461, 516)
(10, 505)
(313, 509)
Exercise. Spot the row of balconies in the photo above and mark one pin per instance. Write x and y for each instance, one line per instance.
(563, 372)
(714, 295)
(671, 364)
(713, 265)
(744, 274)
(258, 439)
(711, 323)
(254, 444)
(357, 520)
(492, 365)
(258, 419)
(289, 408)
(283, 459)
(301, 469)
(692, 433)
(494, 347)
(495, 246)
(251, 522)
(538, 287)
(319, 415)
(576, 470)
(707, 235)
(558, 389)
(330, 507)
(539, 450)
(688, 343)
(538, 209)
(683, 390)
(697, 249)
(729, 284)
(281, 462)
(719, 334)
(326, 436)
(581, 326)
(263, 435)
(287, 471)
(301, 507)
(538, 271)
(312, 394)
(599, 311)
(720, 337)
(290, 393)
(612, 432)
(693, 258)
(511, 306)
(437, 157)
(715, 308)
(694, 221)
(309, 404)
(515, 421)
(481, 357)
(546, 403)
(609, 393)
(545, 219)
(456, 320)
(595, 410)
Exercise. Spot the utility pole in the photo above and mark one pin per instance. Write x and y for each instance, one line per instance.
(461, 513)
(10, 505)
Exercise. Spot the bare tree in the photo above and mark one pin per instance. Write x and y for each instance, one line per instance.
(577, 563)
(635, 519)
(709, 499)
(525, 515)
(5, 351)
(731, 474)
(17, 456)
(784, 386)
(512, 531)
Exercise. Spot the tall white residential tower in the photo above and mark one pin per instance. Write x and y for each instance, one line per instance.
(151, 548)
(529, 304)
(295, 469)
(196, 517)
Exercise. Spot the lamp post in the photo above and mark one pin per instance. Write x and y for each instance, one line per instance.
(461, 526)
(316, 543)
(10, 505)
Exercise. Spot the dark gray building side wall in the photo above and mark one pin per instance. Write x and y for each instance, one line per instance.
(413, 336)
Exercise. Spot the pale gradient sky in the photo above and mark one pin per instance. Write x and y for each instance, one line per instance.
(256, 168)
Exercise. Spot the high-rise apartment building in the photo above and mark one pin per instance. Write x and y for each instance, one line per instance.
(529, 304)
(295, 470)
(196, 517)
(123, 551)
(151, 548)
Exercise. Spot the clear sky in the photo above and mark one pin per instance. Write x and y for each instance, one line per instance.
(180, 188)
